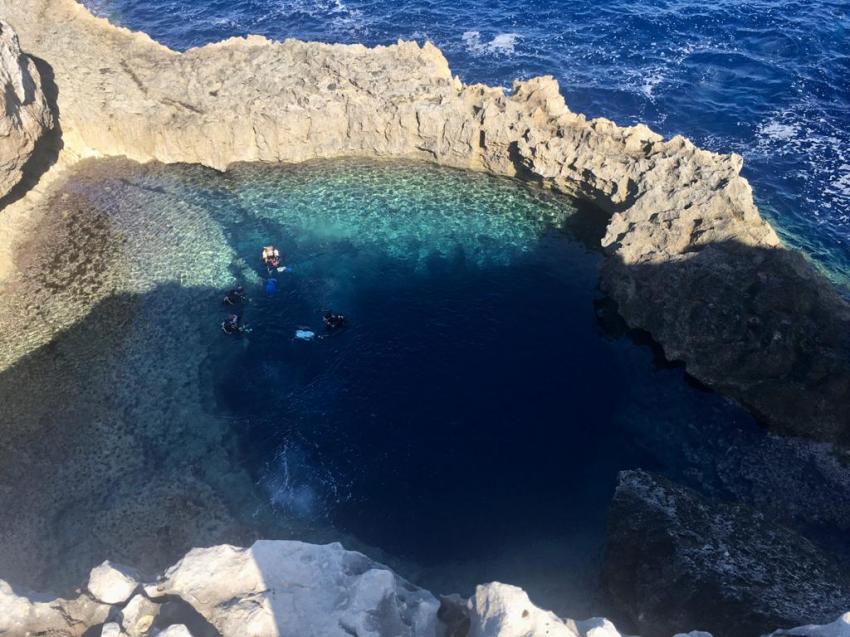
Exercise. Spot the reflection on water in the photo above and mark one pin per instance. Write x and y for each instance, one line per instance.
(467, 426)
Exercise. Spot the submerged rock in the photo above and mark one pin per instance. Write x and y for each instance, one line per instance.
(676, 561)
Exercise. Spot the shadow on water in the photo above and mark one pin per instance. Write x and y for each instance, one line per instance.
(107, 450)
(759, 324)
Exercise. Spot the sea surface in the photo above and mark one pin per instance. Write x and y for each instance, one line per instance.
(764, 78)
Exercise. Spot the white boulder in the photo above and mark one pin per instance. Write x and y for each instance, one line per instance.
(112, 583)
(502, 610)
(293, 589)
(111, 629)
(599, 627)
(138, 616)
(175, 630)
(43, 615)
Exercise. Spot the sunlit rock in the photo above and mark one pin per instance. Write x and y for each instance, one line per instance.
(175, 630)
(26, 115)
(112, 583)
(502, 610)
(39, 614)
(293, 588)
(138, 616)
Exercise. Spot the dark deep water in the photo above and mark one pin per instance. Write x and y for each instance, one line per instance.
(467, 426)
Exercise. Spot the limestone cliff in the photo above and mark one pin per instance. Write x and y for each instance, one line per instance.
(26, 115)
(690, 258)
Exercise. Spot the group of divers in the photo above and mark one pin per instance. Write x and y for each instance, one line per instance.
(233, 324)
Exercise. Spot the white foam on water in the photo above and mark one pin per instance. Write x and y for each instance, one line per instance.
(298, 485)
(820, 143)
(336, 14)
(287, 483)
(778, 131)
(502, 43)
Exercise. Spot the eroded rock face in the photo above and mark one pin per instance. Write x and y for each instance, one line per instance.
(26, 115)
(676, 561)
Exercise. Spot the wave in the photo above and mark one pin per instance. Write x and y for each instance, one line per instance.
(502, 43)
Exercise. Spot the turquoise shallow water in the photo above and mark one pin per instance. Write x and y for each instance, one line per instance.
(467, 426)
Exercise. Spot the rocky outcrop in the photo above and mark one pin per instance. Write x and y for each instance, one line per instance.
(839, 628)
(505, 611)
(287, 589)
(293, 589)
(26, 115)
(111, 583)
(676, 561)
(33, 614)
(690, 258)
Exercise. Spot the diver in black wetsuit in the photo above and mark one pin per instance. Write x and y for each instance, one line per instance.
(235, 296)
(334, 321)
(233, 325)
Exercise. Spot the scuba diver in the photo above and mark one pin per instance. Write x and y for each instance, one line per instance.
(233, 325)
(334, 321)
(236, 296)
(271, 258)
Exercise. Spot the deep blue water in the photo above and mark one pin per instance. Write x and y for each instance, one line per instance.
(769, 80)
(471, 420)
